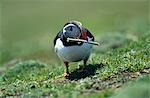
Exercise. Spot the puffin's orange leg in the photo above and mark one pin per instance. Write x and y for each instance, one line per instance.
(66, 73)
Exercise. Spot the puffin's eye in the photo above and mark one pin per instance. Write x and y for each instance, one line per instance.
(71, 28)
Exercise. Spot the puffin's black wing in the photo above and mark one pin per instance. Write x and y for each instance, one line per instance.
(59, 35)
(89, 34)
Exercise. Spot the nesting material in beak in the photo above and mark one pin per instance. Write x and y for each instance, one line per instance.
(82, 40)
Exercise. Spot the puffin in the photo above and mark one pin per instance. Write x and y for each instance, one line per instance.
(73, 51)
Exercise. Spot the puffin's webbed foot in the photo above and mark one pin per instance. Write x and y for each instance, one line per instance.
(66, 74)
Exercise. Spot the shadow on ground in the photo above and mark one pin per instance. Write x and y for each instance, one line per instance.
(81, 73)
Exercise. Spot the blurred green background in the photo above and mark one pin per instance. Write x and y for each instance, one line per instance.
(28, 27)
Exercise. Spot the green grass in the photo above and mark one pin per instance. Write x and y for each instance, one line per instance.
(136, 89)
(105, 73)
(119, 67)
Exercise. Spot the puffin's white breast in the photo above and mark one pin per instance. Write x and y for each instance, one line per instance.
(72, 53)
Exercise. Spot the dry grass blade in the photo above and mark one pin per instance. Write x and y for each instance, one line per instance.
(82, 40)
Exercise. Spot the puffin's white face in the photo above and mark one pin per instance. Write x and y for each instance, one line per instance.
(71, 31)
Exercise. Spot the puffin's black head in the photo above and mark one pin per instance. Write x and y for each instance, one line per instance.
(72, 30)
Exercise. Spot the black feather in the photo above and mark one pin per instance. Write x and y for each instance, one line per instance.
(57, 36)
(89, 34)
